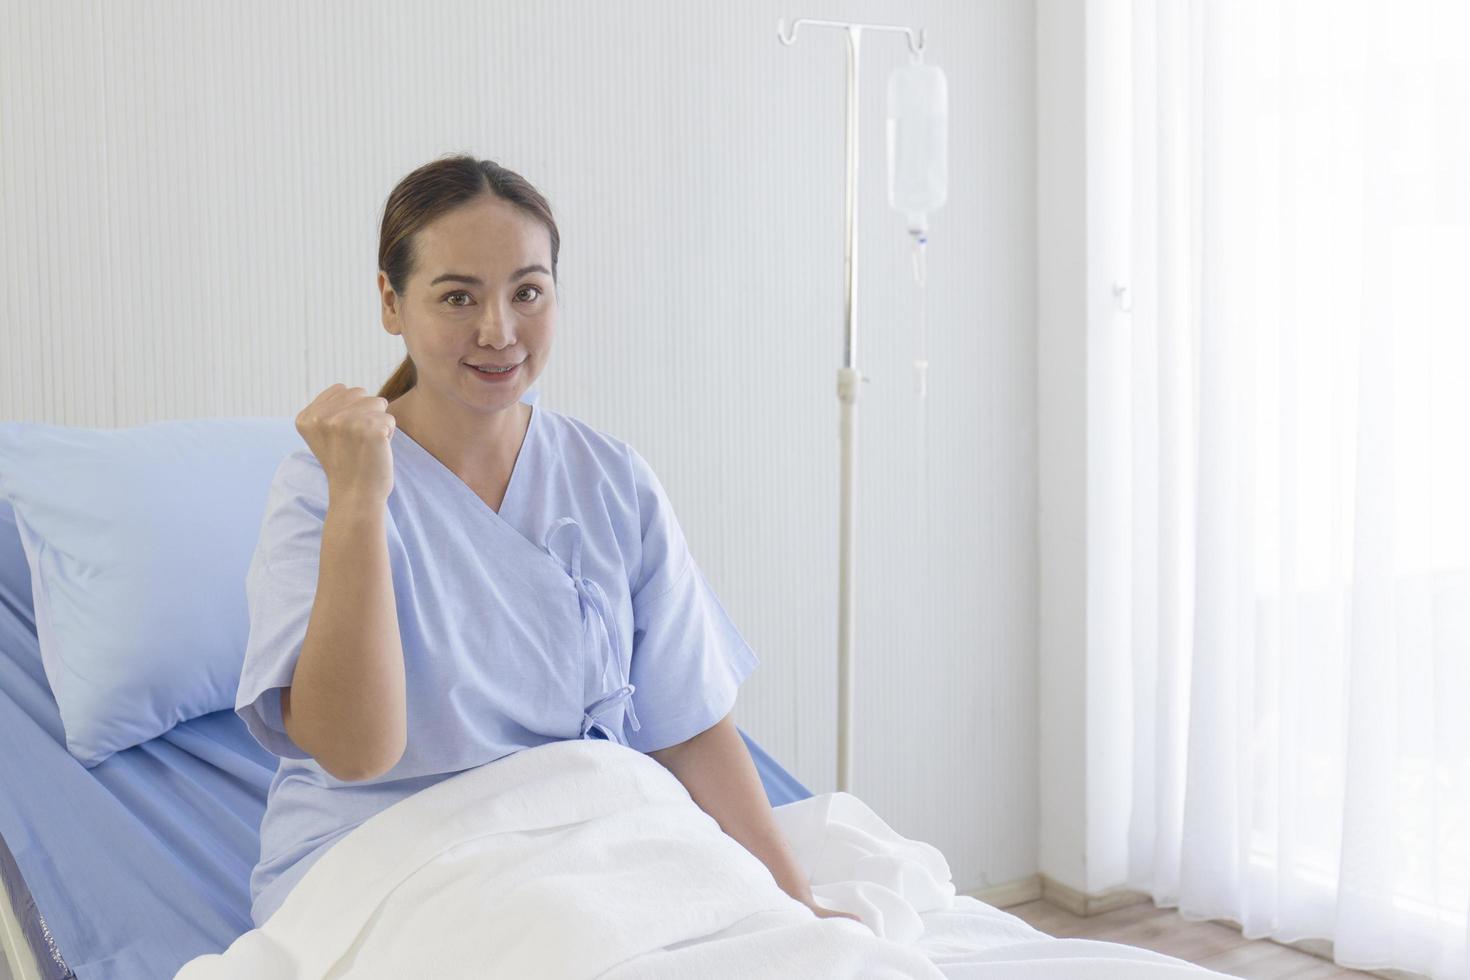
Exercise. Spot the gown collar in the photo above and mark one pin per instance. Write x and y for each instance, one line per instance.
(517, 474)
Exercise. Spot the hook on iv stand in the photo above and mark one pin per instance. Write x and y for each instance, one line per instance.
(915, 47)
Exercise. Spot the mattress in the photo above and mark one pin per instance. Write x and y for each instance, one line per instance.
(130, 869)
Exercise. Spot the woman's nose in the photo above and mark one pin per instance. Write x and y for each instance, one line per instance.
(497, 330)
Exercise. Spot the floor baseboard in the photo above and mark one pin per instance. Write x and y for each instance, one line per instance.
(1084, 904)
(1034, 887)
(1009, 893)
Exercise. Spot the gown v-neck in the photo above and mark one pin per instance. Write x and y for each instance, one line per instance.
(515, 471)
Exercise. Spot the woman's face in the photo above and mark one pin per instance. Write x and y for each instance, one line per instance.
(481, 293)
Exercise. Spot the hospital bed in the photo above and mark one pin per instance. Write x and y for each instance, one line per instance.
(124, 865)
(132, 868)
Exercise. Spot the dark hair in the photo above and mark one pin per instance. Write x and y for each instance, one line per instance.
(430, 191)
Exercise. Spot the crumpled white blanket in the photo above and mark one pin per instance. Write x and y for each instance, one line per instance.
(584, 858)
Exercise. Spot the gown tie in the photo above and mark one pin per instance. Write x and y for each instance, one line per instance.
(593, 600)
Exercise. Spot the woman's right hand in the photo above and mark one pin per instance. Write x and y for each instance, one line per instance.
(350, 432)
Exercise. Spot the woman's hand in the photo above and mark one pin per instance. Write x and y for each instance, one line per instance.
(349, 432)
(822, 913)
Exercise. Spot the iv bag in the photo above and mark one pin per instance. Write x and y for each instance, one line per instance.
(918, 142)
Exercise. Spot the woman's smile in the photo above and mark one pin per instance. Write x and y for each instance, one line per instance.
(491, 376)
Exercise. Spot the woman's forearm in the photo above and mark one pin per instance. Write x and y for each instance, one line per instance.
(346, 702)
(717, 770)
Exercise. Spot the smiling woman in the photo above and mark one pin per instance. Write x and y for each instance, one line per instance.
(521, 578)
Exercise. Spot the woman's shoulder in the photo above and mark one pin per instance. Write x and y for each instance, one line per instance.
(609, 467)
(299, 481)
(301, 472)
(584, 447)
(594, 458)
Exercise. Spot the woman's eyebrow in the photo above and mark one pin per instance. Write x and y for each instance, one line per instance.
(477, 281)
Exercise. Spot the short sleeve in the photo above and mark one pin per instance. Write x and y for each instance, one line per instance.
(280, 587)
(688, 658)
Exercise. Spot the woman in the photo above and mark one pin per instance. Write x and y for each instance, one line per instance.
(450, 573)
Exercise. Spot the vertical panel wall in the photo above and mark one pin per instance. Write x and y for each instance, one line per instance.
(189, 202)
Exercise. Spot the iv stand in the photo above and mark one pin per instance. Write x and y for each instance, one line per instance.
(847, 390)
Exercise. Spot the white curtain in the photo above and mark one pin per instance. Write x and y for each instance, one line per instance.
(1301, 471)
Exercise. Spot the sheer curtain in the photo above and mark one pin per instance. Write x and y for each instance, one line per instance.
(1301, 471)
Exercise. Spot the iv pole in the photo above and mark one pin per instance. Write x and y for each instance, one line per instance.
(847, 390)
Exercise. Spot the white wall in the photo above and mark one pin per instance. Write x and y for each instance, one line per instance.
(1085, 131)
(1109, 472)
(189, 198)
(1061, 218)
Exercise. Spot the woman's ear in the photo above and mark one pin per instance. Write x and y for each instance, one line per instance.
(390, 304)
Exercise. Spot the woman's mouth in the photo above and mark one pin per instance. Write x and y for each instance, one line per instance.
(493, 376)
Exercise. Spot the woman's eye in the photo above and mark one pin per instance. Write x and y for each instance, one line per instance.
(449, 297)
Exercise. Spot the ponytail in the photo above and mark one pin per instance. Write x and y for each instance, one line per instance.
(402, 380)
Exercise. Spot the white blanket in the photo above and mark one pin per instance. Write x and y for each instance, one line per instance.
(584, 858)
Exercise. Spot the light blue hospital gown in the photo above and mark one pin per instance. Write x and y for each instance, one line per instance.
(575, 612)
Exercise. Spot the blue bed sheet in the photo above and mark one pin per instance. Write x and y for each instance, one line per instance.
(143, 862)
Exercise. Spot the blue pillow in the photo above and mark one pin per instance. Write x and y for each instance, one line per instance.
(136, 543)
(15, 574)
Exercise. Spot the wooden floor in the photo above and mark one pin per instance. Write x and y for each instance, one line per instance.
(1212, 944)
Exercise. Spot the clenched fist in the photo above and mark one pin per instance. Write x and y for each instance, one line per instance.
(350, 432)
